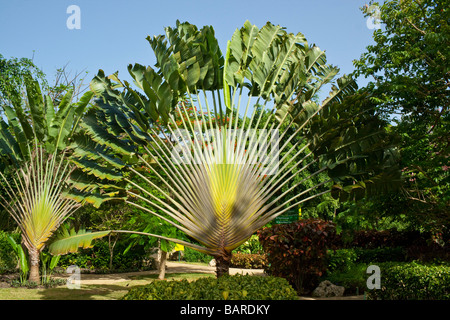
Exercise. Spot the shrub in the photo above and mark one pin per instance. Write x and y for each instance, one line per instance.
(191, 255)
(8, 261)
(412, 281)
(236, 287)
(388, 238)
(298, 251)
(97, 258)
(381, 254)
(353, 278)
(252, 245)
(343, 259)
(248, 261)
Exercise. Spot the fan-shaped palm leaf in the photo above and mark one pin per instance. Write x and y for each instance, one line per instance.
(35, 169)
(225, 179)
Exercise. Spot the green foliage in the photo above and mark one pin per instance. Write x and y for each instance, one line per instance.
(21, 256)
(237, 287)
(298, 251)
(268, 66)
(249, 261)
(412, 281)
(191, 255)
(97, 258)
(8, 261)
(409, 64)
(48, 264)
(252, 245)
(344, 259)
(68, 240)
(353, 278)
(341, 259)
(13, 73)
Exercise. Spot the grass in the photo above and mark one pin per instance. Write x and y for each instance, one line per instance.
(113, 291)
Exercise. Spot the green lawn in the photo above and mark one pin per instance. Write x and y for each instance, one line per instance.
(90, 291)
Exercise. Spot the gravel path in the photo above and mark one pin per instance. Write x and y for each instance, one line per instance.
(180, 267)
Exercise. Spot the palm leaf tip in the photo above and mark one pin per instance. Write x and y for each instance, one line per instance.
(69, 241)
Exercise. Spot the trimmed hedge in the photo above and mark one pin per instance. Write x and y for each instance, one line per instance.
(249, 261)
(412, 281)
(236, 287)
(343, 259)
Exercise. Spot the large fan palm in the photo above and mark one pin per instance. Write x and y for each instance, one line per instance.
(225, 180)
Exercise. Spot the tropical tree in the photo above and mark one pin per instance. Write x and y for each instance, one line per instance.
(222, 175)
(34, 175)
(409, 71)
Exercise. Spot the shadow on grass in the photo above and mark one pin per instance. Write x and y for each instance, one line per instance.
(89, 292)
(111, 291)
(173, 276)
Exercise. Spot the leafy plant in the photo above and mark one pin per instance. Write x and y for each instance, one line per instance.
(8, 261)
(408, 68)
(412, 281)
(191, 255)
(237, 287)
(35, 171)
(49, 263)
(249, 261)
(298, 251)
(252, 245)
(22, 257)
(353, 278)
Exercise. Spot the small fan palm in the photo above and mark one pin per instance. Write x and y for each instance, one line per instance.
(35, 167)
(37, 203)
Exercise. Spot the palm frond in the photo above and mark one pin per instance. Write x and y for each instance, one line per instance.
(223, 169)
(69, 240)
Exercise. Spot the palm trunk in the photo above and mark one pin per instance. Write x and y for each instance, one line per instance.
(223, 262)
(162, 265)
(34, 265)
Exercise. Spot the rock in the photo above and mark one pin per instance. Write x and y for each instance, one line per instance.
(327, 289)
(212, 263)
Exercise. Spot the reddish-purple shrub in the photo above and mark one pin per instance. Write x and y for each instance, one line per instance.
(298, 251)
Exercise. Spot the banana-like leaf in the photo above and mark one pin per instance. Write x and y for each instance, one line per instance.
(21, 255)
(69, 240)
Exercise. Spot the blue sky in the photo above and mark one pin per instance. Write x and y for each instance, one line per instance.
(113, 33)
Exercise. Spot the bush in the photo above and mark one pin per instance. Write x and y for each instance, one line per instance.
(388, 238)
(236, 287)
(353, 278)
(248, 261)
(8, 261)
(412, 281)
(252, 245)
(97, 258)
(343, 259)
(191, 255)
(298, 251)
